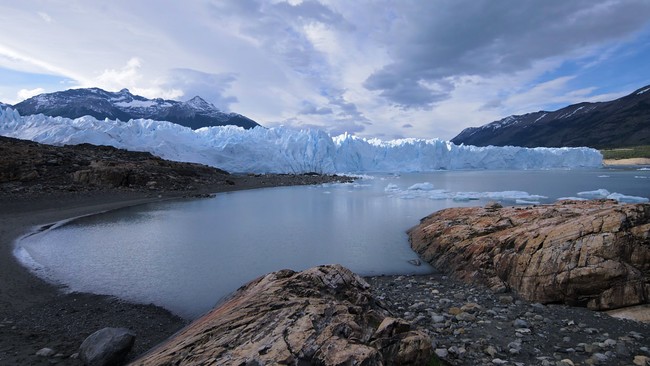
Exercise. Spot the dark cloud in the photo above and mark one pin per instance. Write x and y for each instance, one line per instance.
(433, 42)
(279, 28)
(211, 87)
(407, 125)
(309, 108)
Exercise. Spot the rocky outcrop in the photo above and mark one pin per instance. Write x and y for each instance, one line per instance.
(592, 253)
(322, 316)
(30, 168)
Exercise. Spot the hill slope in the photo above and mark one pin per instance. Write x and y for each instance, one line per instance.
(622, 122)
(123, 105)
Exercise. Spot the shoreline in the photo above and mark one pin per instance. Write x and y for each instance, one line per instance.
(625, 162)
(36, 314)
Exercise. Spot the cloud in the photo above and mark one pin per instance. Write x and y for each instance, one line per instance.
(310, 108)
(127, 76)
(45, 16)
(368, 66)
(209, 86)
(28, 93)
(487, 38)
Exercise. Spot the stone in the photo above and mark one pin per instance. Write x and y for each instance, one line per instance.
(324, 315)
(442, 352)
(491, 351)
(520, 323)
(465, 317)
(641, 360)
(107, 346)
(565, 362)
(45, 352)
(584, 253)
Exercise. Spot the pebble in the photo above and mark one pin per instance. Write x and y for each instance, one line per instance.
(470, 325)
(45, 352)
(441, 352)
(641, 360)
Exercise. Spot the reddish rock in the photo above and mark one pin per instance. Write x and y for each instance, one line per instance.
(593, 253)
(322, 316)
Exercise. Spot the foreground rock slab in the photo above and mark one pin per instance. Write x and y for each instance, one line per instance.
(322, 316)
(589, 253)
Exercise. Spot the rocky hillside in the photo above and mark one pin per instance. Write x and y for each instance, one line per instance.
(123, 105)
(623, 122)
(31, 169)
(27, 166)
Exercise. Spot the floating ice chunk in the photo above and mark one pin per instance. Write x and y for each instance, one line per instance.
(466, 196)
(392, 188)
(643, 169)
(421, 187)
(526, 202)
(627, 199)
(512, 196)
(597, 194)
(572, 199)
(641, 176)
(603, 176)
(439, 194)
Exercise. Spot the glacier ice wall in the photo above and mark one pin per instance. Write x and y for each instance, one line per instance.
(282, 150)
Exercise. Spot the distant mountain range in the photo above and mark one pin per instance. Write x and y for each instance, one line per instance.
(623, 122)
(101, 104)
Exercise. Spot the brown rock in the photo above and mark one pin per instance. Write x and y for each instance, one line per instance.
(324, 316)
(593, 253)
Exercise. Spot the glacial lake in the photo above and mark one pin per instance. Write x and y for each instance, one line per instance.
(186, 255)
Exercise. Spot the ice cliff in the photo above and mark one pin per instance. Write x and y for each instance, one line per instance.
(283, 150)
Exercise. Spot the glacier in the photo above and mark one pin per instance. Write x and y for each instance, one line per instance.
(285, 150)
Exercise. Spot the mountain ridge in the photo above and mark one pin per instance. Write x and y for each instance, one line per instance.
(122, 105)
(623, 122)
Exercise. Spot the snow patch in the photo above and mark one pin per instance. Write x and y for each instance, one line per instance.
(642, 91)
(137, 104)
(540, 117)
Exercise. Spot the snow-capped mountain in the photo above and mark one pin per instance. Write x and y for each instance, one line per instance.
(281, 150)
(123, 105)
(619, 123)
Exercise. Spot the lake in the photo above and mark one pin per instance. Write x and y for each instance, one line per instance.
(186, 255)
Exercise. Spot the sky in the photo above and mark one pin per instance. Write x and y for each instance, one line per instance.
(374, 68)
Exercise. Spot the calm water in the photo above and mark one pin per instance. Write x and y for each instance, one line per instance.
(186, 255)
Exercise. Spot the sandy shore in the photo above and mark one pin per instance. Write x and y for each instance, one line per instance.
(35, 314)
(635, 161)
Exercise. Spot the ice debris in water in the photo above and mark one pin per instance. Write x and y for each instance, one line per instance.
(605, 194)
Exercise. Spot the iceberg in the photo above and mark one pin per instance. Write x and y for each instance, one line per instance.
(284, 150)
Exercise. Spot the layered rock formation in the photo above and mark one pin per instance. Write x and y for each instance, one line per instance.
(592, 253)
(321, 316)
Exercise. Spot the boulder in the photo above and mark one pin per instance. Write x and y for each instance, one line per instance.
(322, 316)
(108, 346)
(588, 253)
